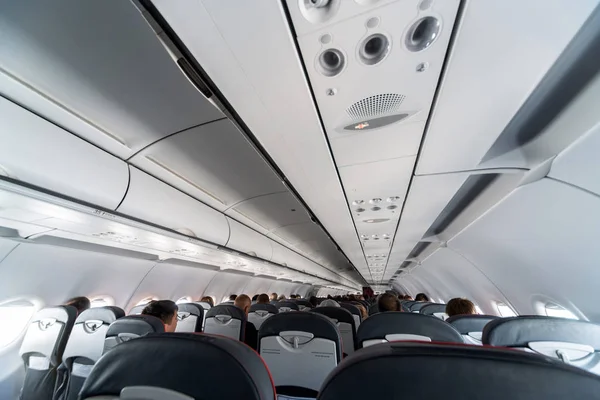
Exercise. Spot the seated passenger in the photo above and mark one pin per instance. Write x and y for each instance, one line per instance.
(421, 297)
(255, 298)
(459, 306)
(81, 303)
(251, 338)
(329, 303)
(209, 300)
(408, 297)
(313, 301)
(165, 310)
(232, 297)
(388, 302)
(363, 311)
(292, 296)
(263, 298)
(281, 297)
(273, 296)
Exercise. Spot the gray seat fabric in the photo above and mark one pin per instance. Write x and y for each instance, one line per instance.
(84, 348)
(471, 326)
(300, 349)
(373, 309)
(345, 324)
(396, 370)
(227, 303)
(406, 305)
(131, 327)
(195, 365)
(190, 317)
(303, 304)
(284, 306)
(417, 305)
(392, 326)
(355, 313)
(42, 350)
(435, 309)
(573, 341)
(260, 312)
(137, 310)
(206, 306)
(226, 320)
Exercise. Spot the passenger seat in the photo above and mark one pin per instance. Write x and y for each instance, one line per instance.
(435, 309)
(300, 349)
(303, 304)
(574, 342)
(131, 327)
(345, 324)
(84, 348)
(355, 313)
(428, 371)
(180, 366)
(285, 306)
(42, 350)
(260, 312)
(226, 320)
(189, 317)
(471, 326)
(396, 325)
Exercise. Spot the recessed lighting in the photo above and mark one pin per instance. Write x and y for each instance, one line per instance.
(392, 207)
(375, 200)
(359, 210)
(357, 202)
(375, 208)
(393, 199)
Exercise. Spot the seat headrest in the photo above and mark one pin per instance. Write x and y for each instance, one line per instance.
(197, 365)
(303, 302)
(136, 324)
(519, 331)
(185, 322)
(432, 308)
(316, 324)
(417, 305)
(470, 323)
(338, 313)
(192, 308)
(265, 307)
(373, 309)
(137, 309)
(407, 304)
(461, 372)
(107, 315)
(351, 307)
(287, 304)
(226, 309)
(204, 305)
(380, 325)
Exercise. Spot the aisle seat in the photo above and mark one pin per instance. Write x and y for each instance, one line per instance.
(285, 306)
(303, 304)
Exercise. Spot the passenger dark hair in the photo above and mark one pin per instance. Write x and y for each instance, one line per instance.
(313, 301)
(81, 303)
(255, 297)
(263, 298)
(388, 302)
(273, 296)
(208, 300)
(292, 296)
(459, 306)
(165, 310)
(421, 297)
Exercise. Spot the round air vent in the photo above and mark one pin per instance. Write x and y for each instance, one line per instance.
(318, 11)
(331, 62)
(423, 33)
(373, 106)
(374, 49)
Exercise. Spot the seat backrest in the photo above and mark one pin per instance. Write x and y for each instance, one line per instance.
(345, 324)
(131, 327)
(573, 341)
(300, 349)
(227, 303)
(396, 325)
(373, 309)
(285, 306)
(355, 313)
(406, 305)
(260, 312)
(303, 304)
(190, 317)
(137, 310)
(471, 326)
(84, 348)
(226, 320)
(417, 305)
(42, 349)
(206, 306)
(461, 372)
(195, 366)
(435, 309)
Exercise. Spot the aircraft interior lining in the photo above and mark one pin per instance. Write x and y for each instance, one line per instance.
(160, 149)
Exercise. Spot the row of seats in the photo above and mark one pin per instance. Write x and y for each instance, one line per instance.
(300, 348)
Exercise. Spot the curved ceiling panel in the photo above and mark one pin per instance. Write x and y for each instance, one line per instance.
(101, 61)
(273, 211)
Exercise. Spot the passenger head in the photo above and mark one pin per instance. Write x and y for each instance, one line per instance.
(313, 301)
(281, 297)
(388, 302)
(292, 296)
(421, 297)
(458, 306)
(165, 310)
(329, 303)
(232, 297)
(363, 311)
(243, 301)
(81, 303)
(209, 300)
(255, 297)
(273, 296)
(262, 299)
(407, 297)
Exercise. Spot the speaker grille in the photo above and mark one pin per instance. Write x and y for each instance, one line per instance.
(369, 107)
